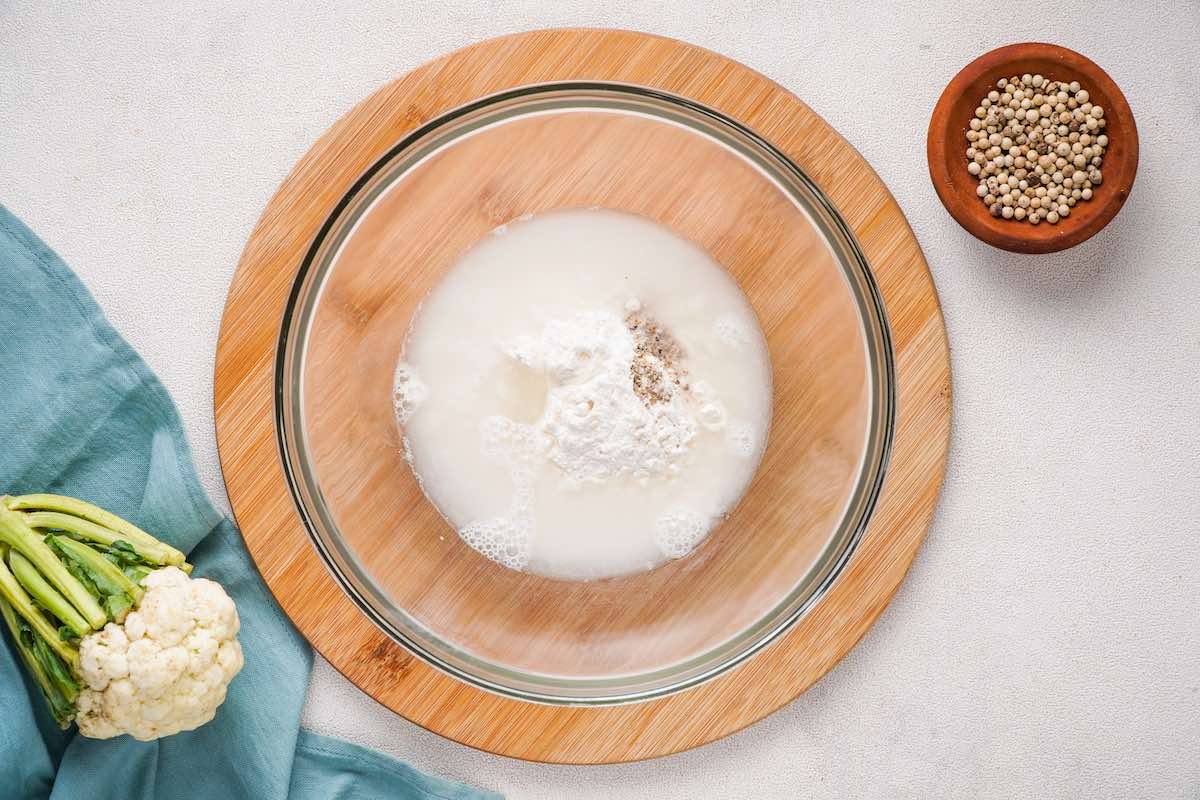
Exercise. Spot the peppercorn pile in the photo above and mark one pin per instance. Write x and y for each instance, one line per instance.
(1036, 147)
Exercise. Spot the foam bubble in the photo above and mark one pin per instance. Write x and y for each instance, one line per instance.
(740, 438)
(703, 391)
(731, 330)
(677, 532)
(504, 539)
(513, 444)
(712, 416)
(408, 392)
(526, 351)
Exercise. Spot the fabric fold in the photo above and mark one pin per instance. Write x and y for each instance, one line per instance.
(81, 414)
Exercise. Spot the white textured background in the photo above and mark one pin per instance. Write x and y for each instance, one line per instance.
(1047, 640)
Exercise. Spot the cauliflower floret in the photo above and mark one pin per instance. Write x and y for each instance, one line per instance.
(105, 659)
(166, 668)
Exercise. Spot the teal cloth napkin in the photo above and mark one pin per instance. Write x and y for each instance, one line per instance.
(81, 414)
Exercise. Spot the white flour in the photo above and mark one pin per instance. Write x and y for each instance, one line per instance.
(595, 425)
(594, 428)
(565, 428)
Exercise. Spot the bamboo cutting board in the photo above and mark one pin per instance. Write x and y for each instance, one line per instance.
(245, 412)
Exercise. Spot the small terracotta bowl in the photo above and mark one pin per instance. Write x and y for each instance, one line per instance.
(947, 145)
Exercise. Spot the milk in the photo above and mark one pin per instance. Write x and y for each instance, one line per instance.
(520, 415)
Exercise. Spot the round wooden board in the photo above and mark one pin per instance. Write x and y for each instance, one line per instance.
(275, 535)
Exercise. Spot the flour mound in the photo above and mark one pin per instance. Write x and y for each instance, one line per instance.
(597, 426)
(618, 405)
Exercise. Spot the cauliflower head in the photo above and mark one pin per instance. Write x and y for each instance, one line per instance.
(166, 668)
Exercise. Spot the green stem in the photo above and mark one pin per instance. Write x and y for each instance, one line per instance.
(79, 508)
(11, 591)
(15, 533)
(156, 553)
(137, 572)
(58, 673)
(45, 594)
(107, 576)
(61, 707)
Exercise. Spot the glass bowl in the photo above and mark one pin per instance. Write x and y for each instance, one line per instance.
(580, 145)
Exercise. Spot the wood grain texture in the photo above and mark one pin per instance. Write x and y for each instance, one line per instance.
(273, 531)
(946, 146)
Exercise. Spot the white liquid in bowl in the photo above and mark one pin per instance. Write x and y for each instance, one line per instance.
(585, 394)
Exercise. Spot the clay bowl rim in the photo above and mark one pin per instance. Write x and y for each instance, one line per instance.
(946, 142)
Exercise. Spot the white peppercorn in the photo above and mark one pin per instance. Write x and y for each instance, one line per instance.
(1035, 147)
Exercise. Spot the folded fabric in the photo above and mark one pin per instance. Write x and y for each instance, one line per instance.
(82, 415)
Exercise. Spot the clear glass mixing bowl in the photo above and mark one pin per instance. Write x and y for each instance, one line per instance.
(579, 145)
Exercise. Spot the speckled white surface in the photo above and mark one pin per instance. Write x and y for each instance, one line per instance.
(1046, 642)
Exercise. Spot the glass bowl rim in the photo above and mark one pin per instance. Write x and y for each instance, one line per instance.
(322, 530)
